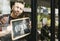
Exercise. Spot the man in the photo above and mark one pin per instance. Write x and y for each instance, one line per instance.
(16, 12)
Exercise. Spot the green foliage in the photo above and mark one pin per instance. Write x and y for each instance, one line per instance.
(39, 19)
(27, 5)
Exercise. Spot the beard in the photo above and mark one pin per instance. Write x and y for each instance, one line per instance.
(16, 13)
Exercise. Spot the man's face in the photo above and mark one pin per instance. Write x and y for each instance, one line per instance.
(17, 8)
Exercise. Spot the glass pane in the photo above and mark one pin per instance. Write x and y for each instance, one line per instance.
(44, 20)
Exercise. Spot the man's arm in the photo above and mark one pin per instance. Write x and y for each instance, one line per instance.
(5, 32)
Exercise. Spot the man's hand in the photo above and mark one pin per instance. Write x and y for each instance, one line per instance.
(4, 20)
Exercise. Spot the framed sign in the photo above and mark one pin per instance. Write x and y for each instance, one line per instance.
(20, 28)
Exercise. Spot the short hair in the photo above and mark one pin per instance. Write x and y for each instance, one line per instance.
(13, 2)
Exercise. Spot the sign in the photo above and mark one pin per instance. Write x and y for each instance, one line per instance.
(20, 28)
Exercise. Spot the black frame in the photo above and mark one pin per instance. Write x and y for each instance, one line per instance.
(52, 20)
(33, 20)
(59, 20)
